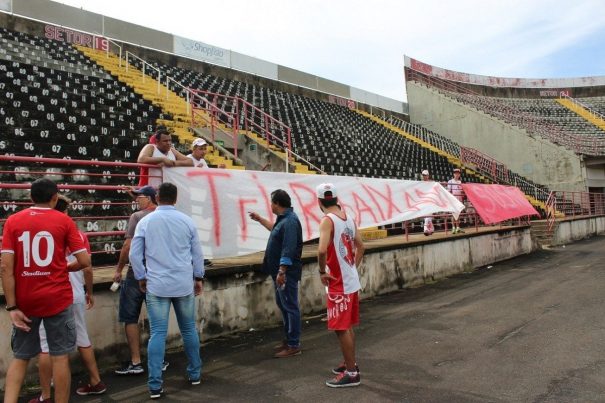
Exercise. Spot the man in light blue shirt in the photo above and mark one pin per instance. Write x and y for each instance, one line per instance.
(166, 256)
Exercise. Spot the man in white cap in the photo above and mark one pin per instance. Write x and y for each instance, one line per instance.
(428, 221)
(454, 186)
(339, 253)
(199, 148)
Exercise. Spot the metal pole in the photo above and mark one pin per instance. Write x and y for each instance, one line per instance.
(159, 80)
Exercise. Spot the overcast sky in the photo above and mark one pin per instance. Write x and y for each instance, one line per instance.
(362, 42)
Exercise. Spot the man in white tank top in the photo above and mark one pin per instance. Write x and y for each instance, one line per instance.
(339, 253)
(161, 154)
(454, 186)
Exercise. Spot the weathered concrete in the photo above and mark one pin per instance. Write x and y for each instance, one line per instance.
(529, 329)
(575, 229)
(241, 299)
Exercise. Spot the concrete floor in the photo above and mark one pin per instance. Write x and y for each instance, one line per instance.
(531, 329)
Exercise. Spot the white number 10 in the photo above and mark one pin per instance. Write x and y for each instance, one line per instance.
(35, 248)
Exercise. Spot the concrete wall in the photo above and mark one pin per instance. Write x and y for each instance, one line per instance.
(573, 230)
(533, 157)
(238, 299)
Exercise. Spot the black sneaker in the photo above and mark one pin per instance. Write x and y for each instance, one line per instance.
(342, 368)
(344, 380)
(130, 369)
(194, 382)
(156, 393)
(165, 365)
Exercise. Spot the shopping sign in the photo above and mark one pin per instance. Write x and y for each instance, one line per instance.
(219, 201)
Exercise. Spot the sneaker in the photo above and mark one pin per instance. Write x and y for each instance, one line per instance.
(194, 382)
(342, 368)
(39, 399)
(455, 230)
(165, 365)
(156, 393)
(130, 369)
(288, 352)
(344, 380)
(98, 389)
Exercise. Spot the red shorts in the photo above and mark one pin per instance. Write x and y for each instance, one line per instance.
(343, 311)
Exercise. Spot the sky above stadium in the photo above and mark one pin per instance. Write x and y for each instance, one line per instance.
(361, 43)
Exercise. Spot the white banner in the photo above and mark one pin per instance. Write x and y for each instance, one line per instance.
(219, 200)
(201, 51)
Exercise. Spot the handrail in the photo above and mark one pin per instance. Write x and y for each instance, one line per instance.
(59, 161)
(535, 124)
(435, 139)
(268, 119)
(145, 63)
(574, 204)
(594, 113)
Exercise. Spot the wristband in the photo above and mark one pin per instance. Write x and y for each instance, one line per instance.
(11, 308)
(199, 278)
(321, 272)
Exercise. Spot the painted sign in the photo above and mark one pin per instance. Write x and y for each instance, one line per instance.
(219, 201)
(201, 51)
(75, 37)
(496, 203)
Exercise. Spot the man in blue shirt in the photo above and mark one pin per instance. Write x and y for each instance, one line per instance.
(166, 256)
(283, 262)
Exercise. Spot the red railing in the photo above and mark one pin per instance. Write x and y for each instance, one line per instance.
(243, 116)
(576, 204)
(484, 164)
(591, 145)
(102, 229)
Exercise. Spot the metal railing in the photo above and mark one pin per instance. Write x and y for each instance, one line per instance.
(244, 117)
(426, 135)
(594, 114)
(591, 145)
(100, 210)
(577, 204)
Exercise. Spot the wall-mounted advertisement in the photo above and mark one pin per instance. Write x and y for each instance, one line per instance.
(201, 51)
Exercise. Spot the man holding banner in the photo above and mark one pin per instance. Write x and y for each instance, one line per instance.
(454, 186)
(341, 250)
(283, 262)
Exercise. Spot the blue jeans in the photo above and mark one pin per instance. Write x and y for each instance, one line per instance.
(158, 309)
(287, 302)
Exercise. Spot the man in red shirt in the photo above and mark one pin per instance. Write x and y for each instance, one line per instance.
(36, 286)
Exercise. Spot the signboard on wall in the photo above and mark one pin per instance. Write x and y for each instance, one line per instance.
(75, 37)
(555, 93)
(349, 103)
(201, 51)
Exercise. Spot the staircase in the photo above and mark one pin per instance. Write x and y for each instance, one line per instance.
(159, 95)
(584, 111)
(540, 232)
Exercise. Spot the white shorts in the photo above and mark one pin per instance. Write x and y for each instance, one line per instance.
(82, 340)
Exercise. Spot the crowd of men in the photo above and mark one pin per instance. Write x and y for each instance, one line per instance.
(44, 257)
